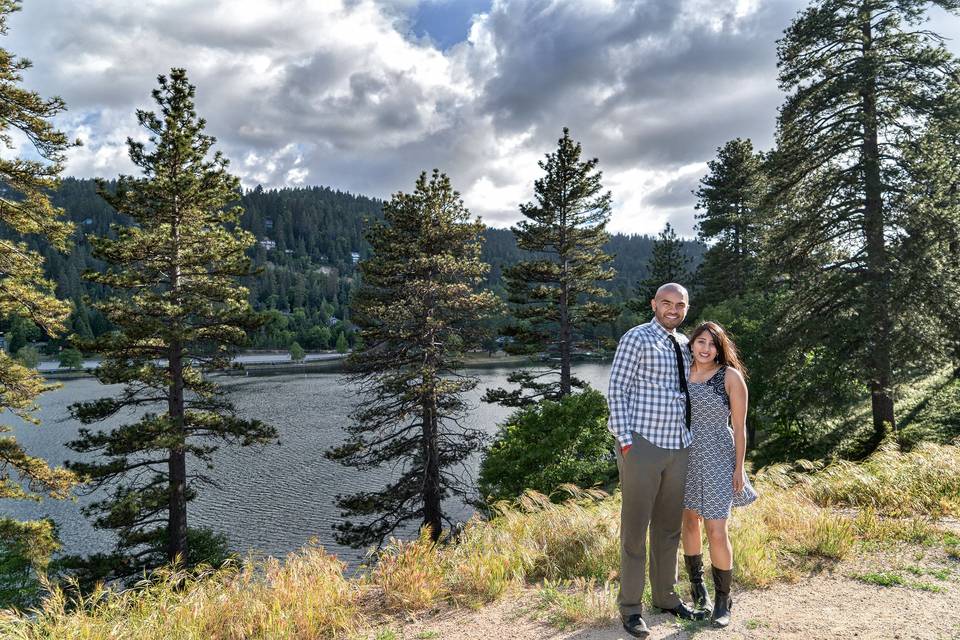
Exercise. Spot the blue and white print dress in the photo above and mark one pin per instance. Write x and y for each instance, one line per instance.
(709, 488)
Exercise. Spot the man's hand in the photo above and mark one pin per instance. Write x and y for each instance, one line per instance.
(624, 449)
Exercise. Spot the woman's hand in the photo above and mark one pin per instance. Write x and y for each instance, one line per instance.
(739, 479)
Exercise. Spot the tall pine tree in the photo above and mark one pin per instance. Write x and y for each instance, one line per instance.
(178, 312)
(729, 199)
(668, 263)
(419, 309)
(25, 295)
(865, 82)
(556, 292)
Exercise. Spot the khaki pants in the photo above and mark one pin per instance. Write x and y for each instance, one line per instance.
(651, 482)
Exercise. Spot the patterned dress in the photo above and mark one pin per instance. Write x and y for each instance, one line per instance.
(709, 487)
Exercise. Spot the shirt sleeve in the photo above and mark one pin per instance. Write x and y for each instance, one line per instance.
(623, 376)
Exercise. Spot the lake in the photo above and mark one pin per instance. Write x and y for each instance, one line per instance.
(270, 500)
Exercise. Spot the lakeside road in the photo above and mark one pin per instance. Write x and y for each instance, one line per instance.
(279, 363)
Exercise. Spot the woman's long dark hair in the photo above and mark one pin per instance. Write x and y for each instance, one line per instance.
(726, 350)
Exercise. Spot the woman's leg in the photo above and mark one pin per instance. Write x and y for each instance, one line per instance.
(721, 552)
(692, 544)
(693, 559)
(721, 557)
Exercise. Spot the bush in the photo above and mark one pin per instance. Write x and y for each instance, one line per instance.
(71, 359)
(548, 445)
(28, 357)
(297, 354)
(25, 551)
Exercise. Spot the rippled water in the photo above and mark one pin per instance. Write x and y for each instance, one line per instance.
(273, 499)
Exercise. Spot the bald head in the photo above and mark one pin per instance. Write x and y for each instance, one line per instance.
(670, 305)
(678, 289)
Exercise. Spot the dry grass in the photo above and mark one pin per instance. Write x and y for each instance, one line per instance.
(925, 481)
(578, 603)
(570, 549)
(306, 596)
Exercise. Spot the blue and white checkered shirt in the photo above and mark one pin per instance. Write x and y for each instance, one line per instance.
(644, 395)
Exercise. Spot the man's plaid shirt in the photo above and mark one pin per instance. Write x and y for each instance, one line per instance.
(644, 394)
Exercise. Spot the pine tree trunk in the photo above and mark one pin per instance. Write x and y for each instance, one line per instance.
(177, 463)
(565, 336)
(740, 286)
(878, 310)
(431, 468)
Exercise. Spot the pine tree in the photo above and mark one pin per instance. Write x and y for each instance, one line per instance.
(178, 312)
(26, 297)
(341, 345)
(418, 309)
(668, 263)
(555, 293)
(729, 198)
(932, 237)
(865, 82)
(297, 353)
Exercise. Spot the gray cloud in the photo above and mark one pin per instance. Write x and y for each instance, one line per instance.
(341, 94)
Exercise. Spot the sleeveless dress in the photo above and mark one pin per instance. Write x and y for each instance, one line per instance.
(709, 486)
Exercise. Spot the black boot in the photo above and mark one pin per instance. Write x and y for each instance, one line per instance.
(698, 590)
(723, 605)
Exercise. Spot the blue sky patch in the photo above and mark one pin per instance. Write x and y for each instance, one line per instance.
(446, 22)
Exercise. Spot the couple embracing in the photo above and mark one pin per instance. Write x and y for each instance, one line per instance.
(678, 409)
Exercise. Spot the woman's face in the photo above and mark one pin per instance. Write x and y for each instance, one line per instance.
(704, 350)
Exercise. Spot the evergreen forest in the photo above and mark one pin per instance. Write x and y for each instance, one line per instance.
(309, 243)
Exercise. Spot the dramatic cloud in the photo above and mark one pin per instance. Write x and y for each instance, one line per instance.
(362, 95)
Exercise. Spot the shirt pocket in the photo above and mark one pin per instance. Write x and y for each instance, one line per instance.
(661, 363)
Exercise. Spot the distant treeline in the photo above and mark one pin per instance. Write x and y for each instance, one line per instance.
(309, 241)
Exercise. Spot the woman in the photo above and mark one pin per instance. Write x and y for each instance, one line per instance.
(715, 476)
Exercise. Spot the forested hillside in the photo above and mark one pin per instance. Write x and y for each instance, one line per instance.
(308, 243)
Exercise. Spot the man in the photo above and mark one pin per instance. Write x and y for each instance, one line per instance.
(650, 417)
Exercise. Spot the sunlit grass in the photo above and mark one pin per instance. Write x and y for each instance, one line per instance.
(924, 481)
(306, 596)
(569, 551)
(577, 603)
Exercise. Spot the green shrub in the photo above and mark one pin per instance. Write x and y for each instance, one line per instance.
(548, 445)
(25, 550)
(28, 357)
(297, 353)
(71, 359)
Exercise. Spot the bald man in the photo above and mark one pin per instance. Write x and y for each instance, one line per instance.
(650, 417)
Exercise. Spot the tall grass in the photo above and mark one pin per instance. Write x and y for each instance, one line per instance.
(570, 549)
(924, 481)
(307, 596)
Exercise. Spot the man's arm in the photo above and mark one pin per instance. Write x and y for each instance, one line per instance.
(623, 375)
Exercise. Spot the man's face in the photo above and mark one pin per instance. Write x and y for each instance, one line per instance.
(670, 308)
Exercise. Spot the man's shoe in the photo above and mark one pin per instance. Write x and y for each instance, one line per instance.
(686, 613)
(635, 626)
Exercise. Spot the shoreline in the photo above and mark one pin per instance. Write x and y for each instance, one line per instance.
(329, 364)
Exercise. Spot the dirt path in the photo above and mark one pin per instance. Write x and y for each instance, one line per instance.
(839, 602)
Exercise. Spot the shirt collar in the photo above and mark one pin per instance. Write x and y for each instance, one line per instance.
(663, 330)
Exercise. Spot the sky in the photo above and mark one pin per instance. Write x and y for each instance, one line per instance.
(363, 95)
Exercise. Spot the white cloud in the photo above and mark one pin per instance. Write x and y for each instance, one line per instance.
(340, 93)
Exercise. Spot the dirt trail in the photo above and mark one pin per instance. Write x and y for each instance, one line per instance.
(836, 603)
